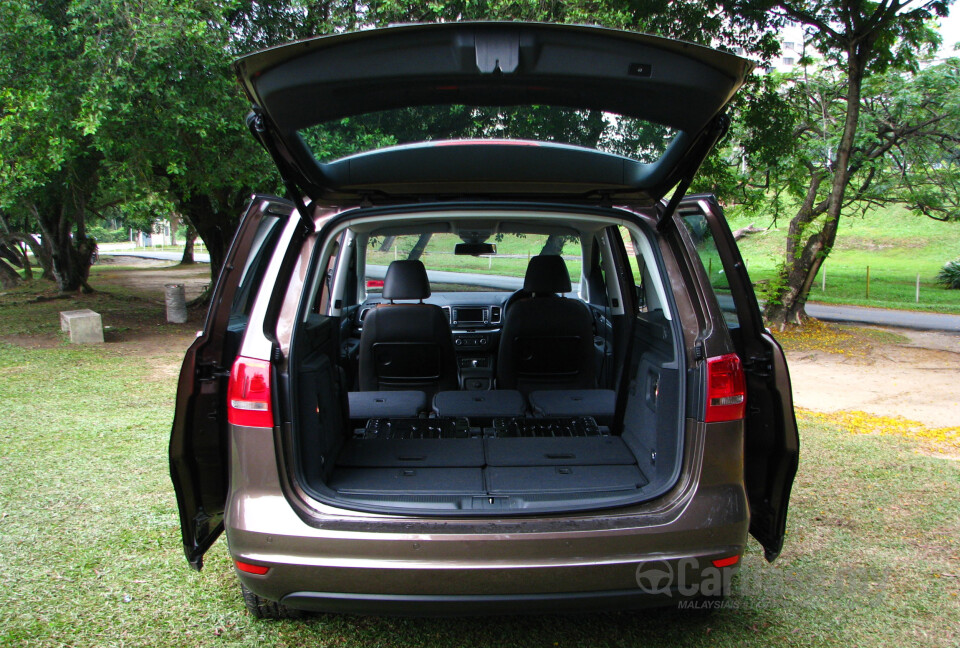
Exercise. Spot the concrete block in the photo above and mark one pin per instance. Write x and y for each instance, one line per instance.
(85, 326)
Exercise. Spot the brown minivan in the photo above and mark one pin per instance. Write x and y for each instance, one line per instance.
(489, 357)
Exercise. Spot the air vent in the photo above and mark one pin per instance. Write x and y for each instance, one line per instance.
(449, 316)
(495, 315)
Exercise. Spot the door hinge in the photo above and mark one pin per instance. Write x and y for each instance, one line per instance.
(758, 366)
(698, 353)
(211, 372)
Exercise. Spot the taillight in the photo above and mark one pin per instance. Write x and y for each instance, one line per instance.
(259, 570)
(248, 394)
(726, 389)
(726, 562)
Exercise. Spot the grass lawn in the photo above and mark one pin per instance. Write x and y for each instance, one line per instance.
(90, 548)
(896, 244)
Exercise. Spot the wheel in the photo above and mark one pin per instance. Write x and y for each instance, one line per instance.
(262, 608)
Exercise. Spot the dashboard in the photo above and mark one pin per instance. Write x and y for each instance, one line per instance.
(467, 311)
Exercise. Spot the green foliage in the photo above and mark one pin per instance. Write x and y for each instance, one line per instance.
(896, 244)
(104, 235)
(949, 275)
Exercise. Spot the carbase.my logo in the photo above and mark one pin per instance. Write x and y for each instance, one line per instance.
(655, 577)
(686, 579)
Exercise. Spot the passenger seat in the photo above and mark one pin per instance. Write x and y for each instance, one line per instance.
(407, 346)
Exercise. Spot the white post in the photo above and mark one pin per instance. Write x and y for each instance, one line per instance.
(394, 251)
(918, 287)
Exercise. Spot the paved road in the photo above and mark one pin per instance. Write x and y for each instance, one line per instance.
(828, 312)
(199, 257)
(885, 317)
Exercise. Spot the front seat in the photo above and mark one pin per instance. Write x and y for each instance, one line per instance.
(407, 346)
(547, 339)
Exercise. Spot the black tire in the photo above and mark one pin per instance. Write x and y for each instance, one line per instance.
(261, 608)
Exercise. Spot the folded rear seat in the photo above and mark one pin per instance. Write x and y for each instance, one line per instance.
(598, 403)
(386, 404)
(480, 404)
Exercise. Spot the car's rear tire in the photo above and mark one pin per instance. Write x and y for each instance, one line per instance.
(262, 608)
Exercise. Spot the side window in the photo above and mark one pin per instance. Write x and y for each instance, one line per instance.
(637, 268)
(268, 231)
(700, 232)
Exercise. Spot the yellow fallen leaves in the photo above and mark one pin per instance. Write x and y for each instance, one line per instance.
(940, 439)
(815, 335)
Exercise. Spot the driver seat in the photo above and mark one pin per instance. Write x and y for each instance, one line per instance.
(547, 339)
(407, 346)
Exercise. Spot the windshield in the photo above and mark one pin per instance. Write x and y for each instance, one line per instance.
(626, 136)
(450, 272)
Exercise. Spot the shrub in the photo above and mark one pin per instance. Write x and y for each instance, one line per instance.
(949, 276)
(104, 235)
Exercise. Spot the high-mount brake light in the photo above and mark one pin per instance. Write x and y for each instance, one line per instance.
(248, 394)
(726, 389)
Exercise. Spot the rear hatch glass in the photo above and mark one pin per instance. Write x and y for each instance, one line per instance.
(630, 137)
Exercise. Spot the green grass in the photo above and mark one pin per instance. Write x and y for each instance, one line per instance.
(894, 243)
(90, 548)
(513, 254)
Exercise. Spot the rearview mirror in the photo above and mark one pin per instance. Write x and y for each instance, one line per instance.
(474, 249)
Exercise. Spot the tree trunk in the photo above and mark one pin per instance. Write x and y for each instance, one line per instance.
(420, 246)
(40, 252)
(24, 253)
(8, 276)
(553, 245)
(43, 252)
(787, 301)
(387, 243)
(11, 250)
(70, 254)
(215, 221)
(188, 242)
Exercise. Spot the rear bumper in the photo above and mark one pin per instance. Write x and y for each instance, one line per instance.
(494, 573)
(469, 605)
(345, 562)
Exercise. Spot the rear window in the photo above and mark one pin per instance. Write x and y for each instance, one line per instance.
(608, 132)
(451, 272)
(699, 230)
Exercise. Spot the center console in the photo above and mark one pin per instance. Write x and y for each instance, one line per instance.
(476, 334)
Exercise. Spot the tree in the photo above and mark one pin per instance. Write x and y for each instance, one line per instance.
(50, 164)
(856, 40)
(107, 103)
(189, 240)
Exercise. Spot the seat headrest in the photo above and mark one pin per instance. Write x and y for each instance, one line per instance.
(406, 280)
(547, 273)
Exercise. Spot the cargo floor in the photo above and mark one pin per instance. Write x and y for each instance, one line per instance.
(485, 465)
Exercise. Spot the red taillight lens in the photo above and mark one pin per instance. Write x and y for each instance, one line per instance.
(259, 570)
(248, 395)
(374, 283)
(726, 389)
(726, 562)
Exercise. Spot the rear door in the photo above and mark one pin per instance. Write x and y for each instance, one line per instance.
(670, 86)
(771, 440)
(198, 463)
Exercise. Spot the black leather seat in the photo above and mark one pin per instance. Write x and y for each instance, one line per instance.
(547, 339)
(407, 346)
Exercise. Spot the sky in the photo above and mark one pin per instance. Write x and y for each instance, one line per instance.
(950, 32)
